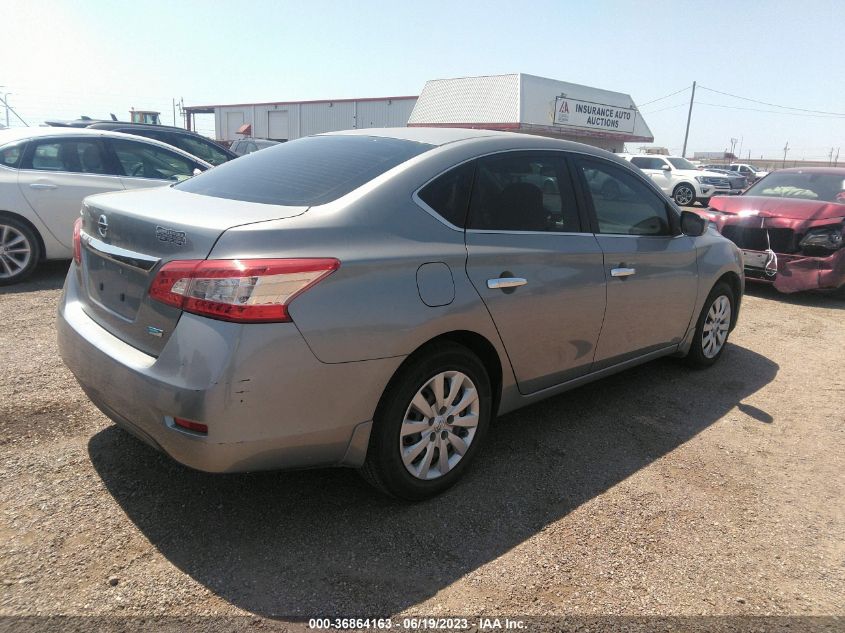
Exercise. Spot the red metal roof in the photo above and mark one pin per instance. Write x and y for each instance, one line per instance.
(265, 103)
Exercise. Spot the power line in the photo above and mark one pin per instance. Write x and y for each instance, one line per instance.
(814, 116)
(773, 105)
(666, 97)
(677, 105)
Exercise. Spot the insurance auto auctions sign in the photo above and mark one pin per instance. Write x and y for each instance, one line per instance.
(594, 116)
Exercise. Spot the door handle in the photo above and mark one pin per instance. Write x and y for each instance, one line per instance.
(506, 282)
(622, 272)
(41, 185)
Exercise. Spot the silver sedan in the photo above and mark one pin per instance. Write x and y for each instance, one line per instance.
(374, 298)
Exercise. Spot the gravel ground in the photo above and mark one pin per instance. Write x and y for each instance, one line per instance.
(660, 491)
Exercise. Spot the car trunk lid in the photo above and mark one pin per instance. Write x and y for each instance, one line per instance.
(127, 238)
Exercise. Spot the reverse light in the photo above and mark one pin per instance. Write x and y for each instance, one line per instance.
(77, 241)
(239, 290)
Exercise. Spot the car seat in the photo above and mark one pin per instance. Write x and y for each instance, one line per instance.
(519, 207)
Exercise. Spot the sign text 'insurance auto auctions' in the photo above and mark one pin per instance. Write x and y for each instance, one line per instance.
(594, 116)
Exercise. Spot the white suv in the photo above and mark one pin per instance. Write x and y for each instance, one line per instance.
(680, 179)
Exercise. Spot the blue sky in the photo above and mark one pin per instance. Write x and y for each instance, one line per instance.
(65, 58)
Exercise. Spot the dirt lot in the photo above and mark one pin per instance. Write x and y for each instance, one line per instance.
(658, 491)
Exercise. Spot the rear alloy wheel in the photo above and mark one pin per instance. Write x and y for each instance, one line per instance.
(430, 423)
(19, 251)
(684, 195)
(713, 327)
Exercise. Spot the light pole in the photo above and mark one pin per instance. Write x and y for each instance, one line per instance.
(6, 103)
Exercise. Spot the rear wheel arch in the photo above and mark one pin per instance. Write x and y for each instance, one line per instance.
(479, 345)
(19, 218)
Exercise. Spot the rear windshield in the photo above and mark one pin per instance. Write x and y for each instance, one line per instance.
(801, 184)
(309, 171)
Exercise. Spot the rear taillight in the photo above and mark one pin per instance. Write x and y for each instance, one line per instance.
(241, 290)
(77, 241)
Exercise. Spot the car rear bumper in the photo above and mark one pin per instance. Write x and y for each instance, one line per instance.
(266, 399)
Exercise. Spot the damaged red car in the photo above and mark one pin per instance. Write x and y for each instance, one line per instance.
(789, 226)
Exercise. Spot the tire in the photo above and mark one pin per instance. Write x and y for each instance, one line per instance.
(708, 346)
(385, 466)
(684, 195)
(20, 251)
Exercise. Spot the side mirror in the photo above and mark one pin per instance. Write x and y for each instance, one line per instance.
(692, 224)
(666, 168)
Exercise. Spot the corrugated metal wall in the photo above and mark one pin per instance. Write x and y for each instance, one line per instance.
(304, 119)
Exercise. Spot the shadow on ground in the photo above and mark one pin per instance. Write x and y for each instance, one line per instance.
(309, 543)
(809, 299)
(47, 276)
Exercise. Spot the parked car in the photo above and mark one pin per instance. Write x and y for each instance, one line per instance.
(680, 179)
(372, 298)
(738, 183)
(46, 172)
(191, 142)
(244, 146)
(790, 228)
(752, 173)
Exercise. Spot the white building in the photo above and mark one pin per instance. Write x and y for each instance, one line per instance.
(532, 105)
(288, 120)
(515, 102)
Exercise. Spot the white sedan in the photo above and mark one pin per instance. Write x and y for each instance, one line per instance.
(46, 172)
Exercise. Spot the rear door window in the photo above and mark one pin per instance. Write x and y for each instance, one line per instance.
(646, 162)
(310, 171)
(523, 191)
(84, 156)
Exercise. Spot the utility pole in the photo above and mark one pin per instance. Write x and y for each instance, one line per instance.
(173, 102)
(830, 158)
(6, 103)
(734, 141)
(836, 159)
(785, 150)
(10, 108)
(739, 153)
(689, 116)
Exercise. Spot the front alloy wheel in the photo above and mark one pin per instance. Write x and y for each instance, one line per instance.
(684, 195)
(713, 326)
(716, 326)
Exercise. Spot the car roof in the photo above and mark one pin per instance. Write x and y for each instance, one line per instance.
(429, 135)
(112, 125)
(18, 134)
(440, 136)
(815, 170)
